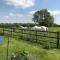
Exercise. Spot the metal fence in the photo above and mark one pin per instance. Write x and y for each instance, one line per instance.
(46, 39)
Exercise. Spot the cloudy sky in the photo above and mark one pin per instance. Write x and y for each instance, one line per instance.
(20, 11)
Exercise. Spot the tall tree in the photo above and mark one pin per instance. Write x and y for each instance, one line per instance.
(43, 17)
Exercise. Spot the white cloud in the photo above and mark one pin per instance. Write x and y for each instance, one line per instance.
(32, 12)
(21, 3)
(54, 12)
(5, 16)
(15, 14)
(11, 14)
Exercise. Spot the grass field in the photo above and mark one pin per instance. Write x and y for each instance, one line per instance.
(54, 29)
(34, 50)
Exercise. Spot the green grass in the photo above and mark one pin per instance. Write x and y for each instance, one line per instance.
(54, 29)
(34, 50)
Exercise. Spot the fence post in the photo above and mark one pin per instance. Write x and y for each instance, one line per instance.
(21, 33)
(7, 47)
(3, 30)
(36, 36)
(11, 32)
(57, 39)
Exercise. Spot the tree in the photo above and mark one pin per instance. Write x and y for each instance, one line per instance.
(43, 17)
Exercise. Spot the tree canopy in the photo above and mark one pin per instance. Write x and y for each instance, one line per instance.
(43, 17)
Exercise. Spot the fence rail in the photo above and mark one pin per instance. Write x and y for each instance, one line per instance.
(41, 37)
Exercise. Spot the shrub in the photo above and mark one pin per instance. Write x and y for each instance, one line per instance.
(22, 55)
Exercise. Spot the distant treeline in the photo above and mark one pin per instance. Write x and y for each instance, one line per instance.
(11, 25)
(16, 24)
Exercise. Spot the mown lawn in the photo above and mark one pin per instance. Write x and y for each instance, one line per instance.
(34, 50)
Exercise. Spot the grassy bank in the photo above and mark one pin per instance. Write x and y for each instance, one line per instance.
(35, 51)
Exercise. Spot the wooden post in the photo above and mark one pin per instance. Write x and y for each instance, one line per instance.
(11, 32)
(7, 47)
(3, 30)
(36, 36)
(21, 33)
(57, 39)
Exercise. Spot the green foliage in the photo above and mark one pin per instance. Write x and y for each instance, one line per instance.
(43, 17)
(22, 55)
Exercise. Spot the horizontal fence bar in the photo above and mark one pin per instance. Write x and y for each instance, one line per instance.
(35, 36)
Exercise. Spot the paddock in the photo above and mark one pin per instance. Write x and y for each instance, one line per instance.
(40, 37)
(35, 42)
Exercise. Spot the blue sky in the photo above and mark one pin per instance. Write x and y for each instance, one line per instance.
(21, 11)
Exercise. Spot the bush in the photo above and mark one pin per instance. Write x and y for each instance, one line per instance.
(22, 55)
